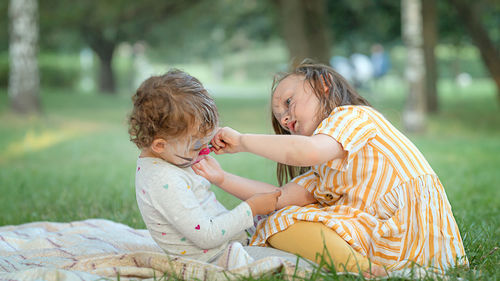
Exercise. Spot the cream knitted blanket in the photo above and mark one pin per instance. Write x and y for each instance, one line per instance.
(98, 249)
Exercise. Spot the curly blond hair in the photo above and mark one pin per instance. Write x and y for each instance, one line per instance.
(171, 106)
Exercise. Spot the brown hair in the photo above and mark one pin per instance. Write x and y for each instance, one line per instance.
(339, 93)
(171, 106)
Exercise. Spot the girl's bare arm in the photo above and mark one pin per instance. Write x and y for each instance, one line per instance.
(292, 150)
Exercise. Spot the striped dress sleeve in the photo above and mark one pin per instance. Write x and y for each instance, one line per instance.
(352, 128)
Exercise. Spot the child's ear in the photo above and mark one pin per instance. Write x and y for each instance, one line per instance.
(159, 145)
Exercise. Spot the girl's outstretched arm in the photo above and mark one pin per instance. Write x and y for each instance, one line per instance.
(243, 188)
(295, 150)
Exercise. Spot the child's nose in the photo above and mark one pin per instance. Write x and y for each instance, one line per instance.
(284, 121)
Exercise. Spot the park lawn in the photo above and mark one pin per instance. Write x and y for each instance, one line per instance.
(75, 161)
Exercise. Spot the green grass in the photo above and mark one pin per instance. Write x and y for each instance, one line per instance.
(75, 161)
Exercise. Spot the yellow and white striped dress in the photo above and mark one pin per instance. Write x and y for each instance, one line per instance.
(383, 198)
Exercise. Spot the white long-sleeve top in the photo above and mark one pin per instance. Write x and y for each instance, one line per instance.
(183, 215)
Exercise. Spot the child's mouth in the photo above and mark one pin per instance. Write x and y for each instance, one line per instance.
(205, 151)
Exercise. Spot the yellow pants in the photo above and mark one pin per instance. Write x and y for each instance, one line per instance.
(309, 239)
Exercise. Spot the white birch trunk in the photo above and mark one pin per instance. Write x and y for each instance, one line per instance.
(24, 81)
(415, 109)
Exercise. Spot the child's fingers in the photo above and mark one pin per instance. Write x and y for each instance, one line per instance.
(198, 165)
(202, 164)
(213, 141)
(219, 151)
(197, 169)
(208, 158)
(214, 145)
(218, 141)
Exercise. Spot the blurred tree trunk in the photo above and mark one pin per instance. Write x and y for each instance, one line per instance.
(430, 39)
(104, 50)
(107, 82)
(24, 80)
(414, 113)
(479, 35)
(305, 29)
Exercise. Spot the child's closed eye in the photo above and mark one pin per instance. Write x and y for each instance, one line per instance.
(198, 148)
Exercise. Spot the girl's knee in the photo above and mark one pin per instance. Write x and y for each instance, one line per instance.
(316, 242)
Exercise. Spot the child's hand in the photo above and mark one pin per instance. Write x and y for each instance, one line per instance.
(264, 203)
(210, 169)
(226, 140)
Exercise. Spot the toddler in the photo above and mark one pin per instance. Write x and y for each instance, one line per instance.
(172, 121)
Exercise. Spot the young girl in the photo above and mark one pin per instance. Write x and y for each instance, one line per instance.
(358, 186)
(172, 121)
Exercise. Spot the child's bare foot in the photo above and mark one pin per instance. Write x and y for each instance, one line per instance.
(375, 271)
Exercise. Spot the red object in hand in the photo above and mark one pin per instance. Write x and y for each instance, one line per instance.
(205, 151)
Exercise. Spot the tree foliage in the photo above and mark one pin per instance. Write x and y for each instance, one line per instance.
(102, 25)
(358, 24)
(197, 30)
(213, 28)
(481, 37)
